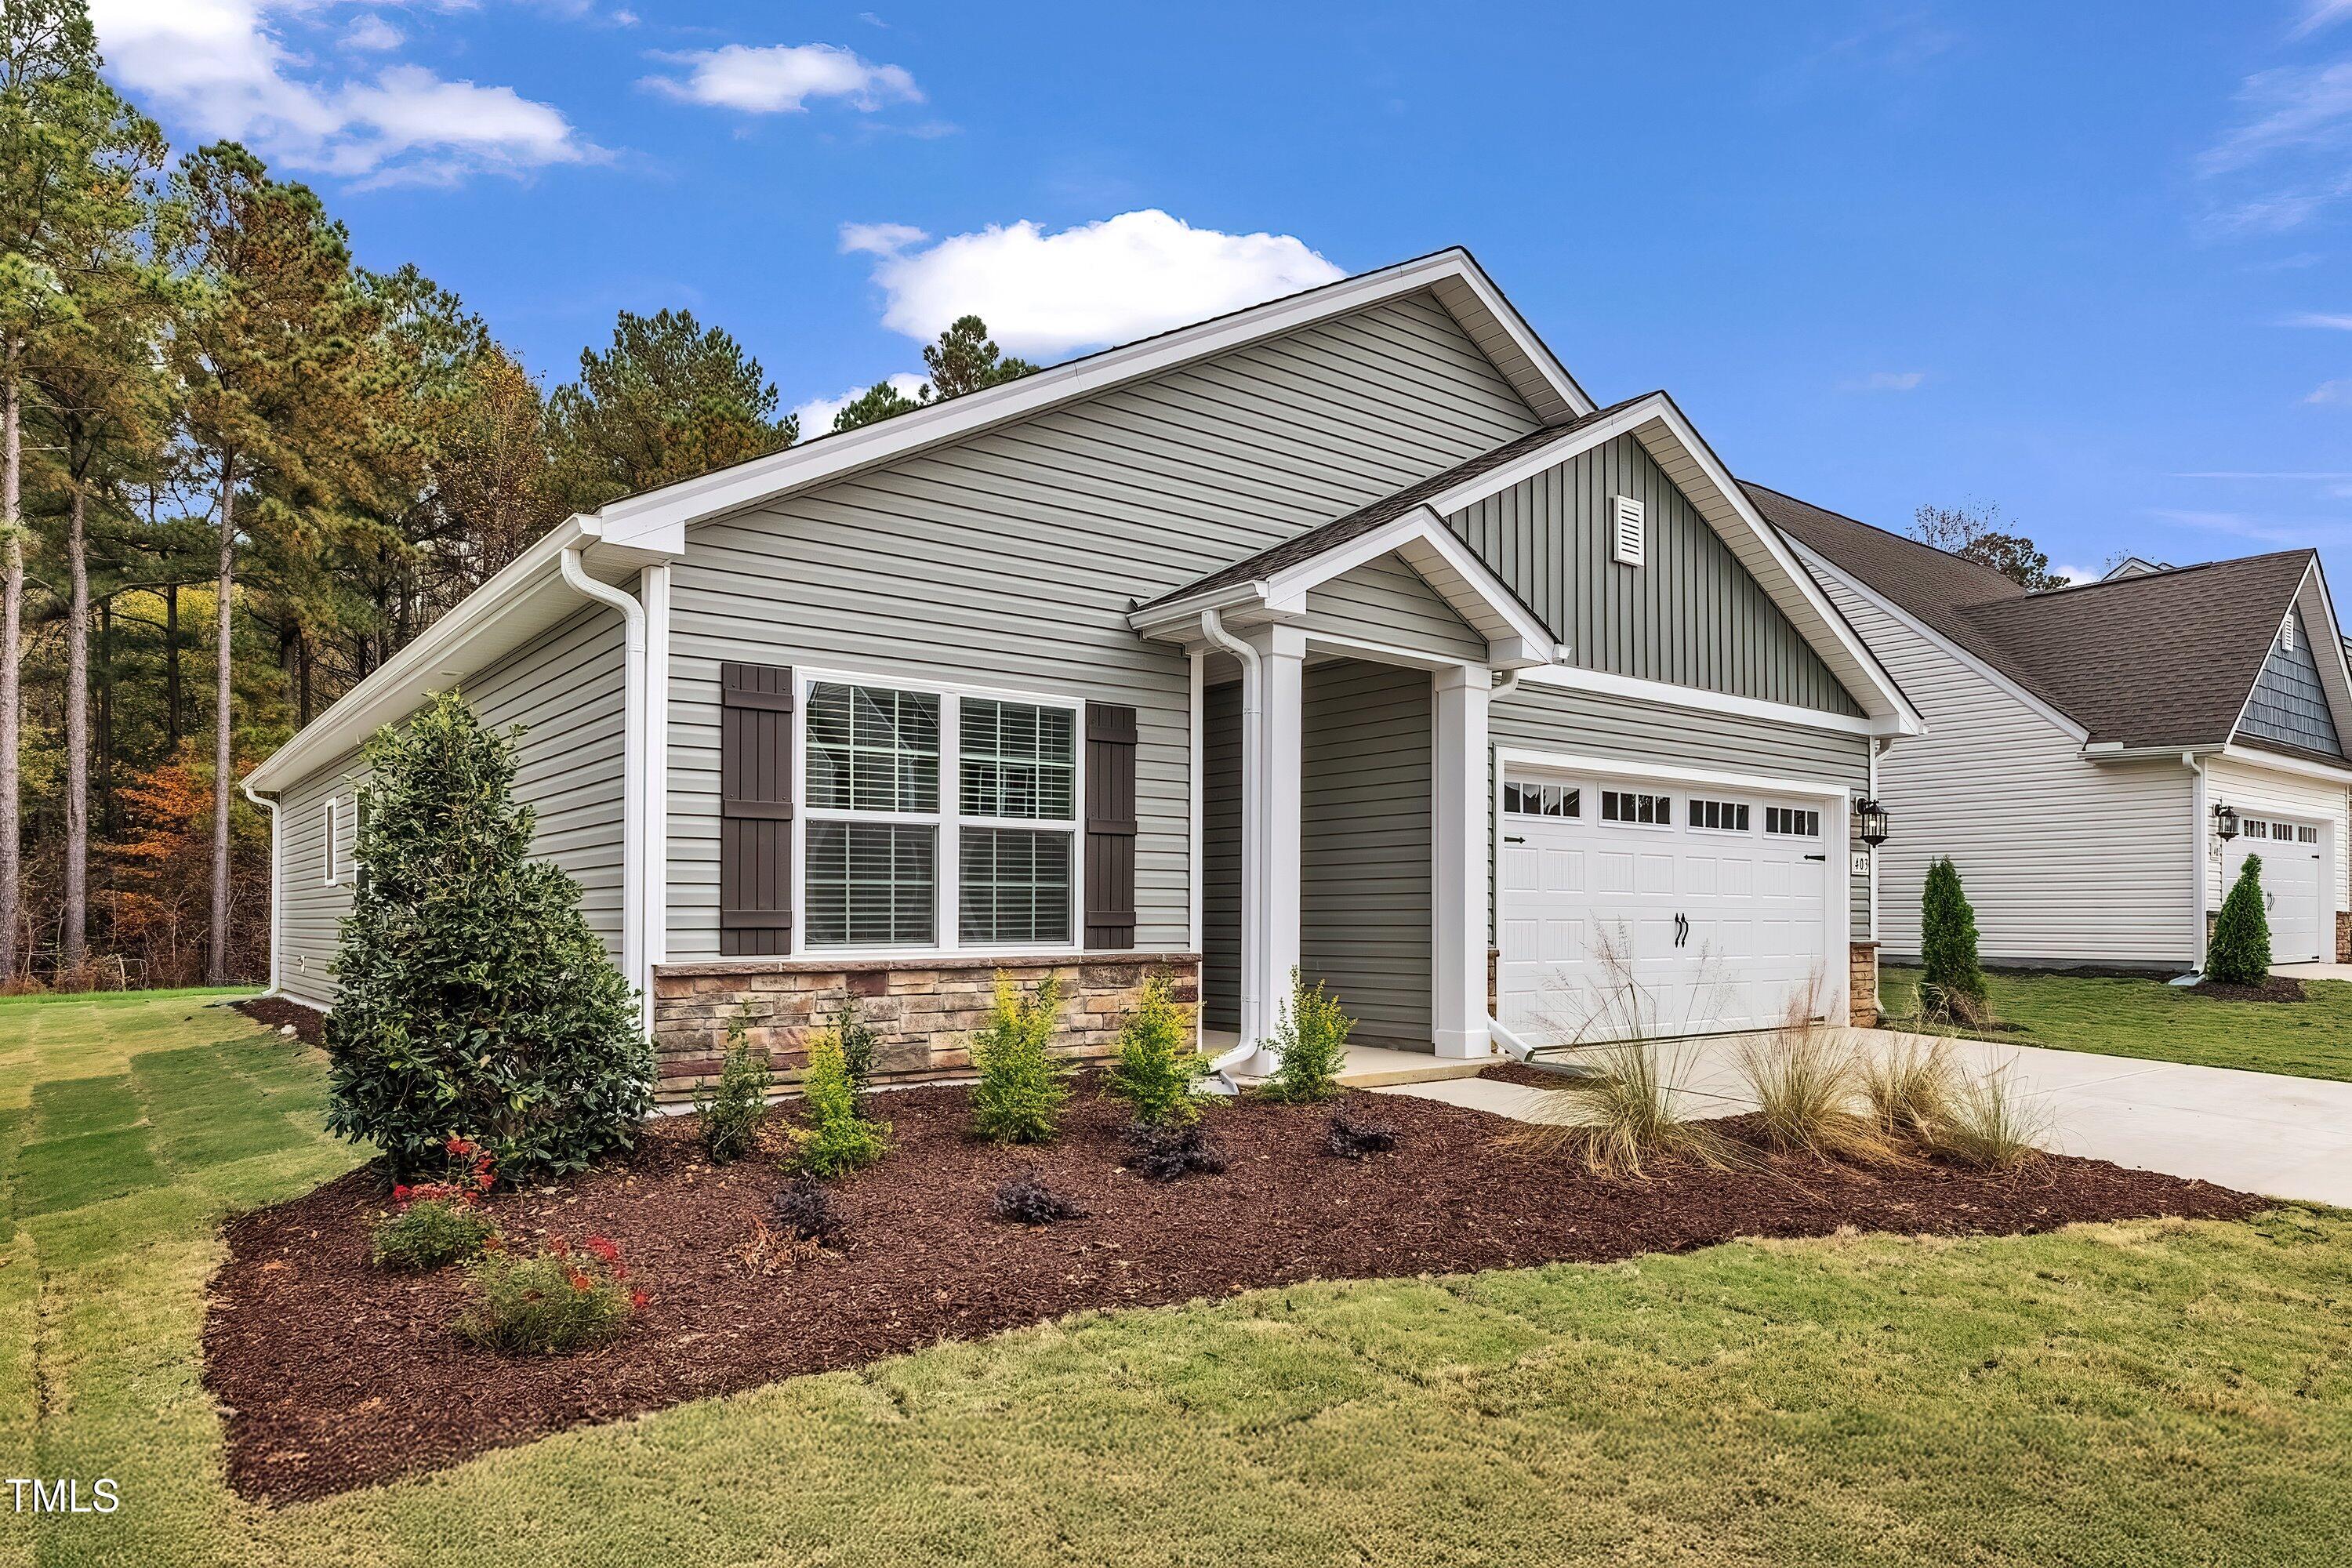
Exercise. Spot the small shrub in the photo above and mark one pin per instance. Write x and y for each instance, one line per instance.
(1934, 1007)
(1910, 1090)
(1806, 1088)
(834, 1139)
(550, 1303)
(1156, 1064)
(1311, 1041)
(732, 1114)
(1627, 1115)
(1170, 1153)
(858, 1039)
(1023, 1084)
(2239, 953)
(1354, 1139)
(1948, 938)
(1028, 1201)
(439, 1222)
(804, 1213)
(1990, 1126)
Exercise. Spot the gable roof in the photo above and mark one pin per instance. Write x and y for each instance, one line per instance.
(2150, 659)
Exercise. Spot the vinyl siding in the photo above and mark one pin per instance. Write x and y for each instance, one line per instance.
(1364, 847)
(1583, 724)
(2258, 791)
(1013, 558)
(565, 689)
(2288, 703)
(1386, 601)
(1221, 857)
(1689, 615)
(2065, 861)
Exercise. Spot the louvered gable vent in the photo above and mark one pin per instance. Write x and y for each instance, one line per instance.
(1626, 531)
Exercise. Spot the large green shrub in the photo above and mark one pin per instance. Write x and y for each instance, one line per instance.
(1948, 938)
(1157, 1063)
(471, 996)
(833, 1138)
(1023, 1084)
(2240, 951)
(1311, 1040)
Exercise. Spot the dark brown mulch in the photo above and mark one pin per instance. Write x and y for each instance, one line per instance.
(2273, 988)
(334, 1375)
(276, 1012)
(1526, 1073)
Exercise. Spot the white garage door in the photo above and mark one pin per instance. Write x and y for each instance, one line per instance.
(1629, 906)
(2292, 884)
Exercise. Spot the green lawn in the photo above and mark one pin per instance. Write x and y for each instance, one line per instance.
(2145, 1393)
(2148, 1018)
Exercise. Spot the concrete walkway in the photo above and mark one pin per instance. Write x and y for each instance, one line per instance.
(2262, 1132)
(2314, 971)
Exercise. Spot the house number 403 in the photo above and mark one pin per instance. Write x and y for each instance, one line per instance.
(1861, 862)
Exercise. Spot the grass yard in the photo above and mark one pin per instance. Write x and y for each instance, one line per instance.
(2148, 1393)
(2147, 1018)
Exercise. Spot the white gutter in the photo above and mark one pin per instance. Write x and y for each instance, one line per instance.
(633, 775)
(1212, 631)
(277, 876)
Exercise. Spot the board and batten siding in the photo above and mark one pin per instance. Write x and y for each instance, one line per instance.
(1386, 601)
(1011, 559)
(2258, 791)
(1628, 730)
(1221, 856)
(1690, 615)
(566, 689)
(2065, 861)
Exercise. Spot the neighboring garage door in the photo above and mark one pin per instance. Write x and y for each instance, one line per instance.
(2293, 888)
(1628, 905)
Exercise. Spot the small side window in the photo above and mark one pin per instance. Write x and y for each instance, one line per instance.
(331, 862)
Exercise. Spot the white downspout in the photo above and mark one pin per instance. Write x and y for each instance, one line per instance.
(633, 775)
(652, 591)
(2200, 894)
(1510, 1044)
(277, 877)
(1212, 631)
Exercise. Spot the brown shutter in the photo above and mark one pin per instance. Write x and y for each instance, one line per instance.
(755, 816)
(1110, 826)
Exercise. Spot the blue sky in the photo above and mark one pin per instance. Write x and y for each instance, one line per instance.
(2090, 262)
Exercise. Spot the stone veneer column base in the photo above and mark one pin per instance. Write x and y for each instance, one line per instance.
(1862, 1005)
(923, 1009)
(2342, 936)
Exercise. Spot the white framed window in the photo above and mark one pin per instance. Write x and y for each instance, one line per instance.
(937, 818)
(1635, 809)
(1792, 822)
(1627, 530)
(1718, 816)
(1542, 800)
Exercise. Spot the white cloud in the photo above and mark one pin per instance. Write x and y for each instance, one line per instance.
(1108, 282)
(2075, 574)
(1886, 381)
(2290, 155)
(372, 33)
(2318, 14)
(817, 414)
(2315, 318)
(781, 79)
(2339, 391)
(222, 69)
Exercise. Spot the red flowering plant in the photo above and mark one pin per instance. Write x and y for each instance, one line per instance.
(559, 1300)
(439, 1222)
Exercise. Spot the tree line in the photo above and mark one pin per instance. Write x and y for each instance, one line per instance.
(238, 471)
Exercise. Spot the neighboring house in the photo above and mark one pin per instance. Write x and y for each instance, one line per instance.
(2082, 742)
(1227, 652)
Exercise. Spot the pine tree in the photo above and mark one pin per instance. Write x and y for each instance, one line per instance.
(2239, 953)
(878, 402)
(669, 400)
(1947, 937)
(966, 359)
(471, 996)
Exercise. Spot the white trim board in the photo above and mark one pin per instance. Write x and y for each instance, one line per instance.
(1699, 700)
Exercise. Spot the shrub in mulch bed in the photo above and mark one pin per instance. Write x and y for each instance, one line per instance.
(1166, 1154)
(1354, 1139)
(337, 1374)
(804, 1212)
(2271, 988)
(1024, 1200)
(552, 1303)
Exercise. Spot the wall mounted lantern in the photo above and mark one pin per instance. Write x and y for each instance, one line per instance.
(2225, 821)
(1873, 822)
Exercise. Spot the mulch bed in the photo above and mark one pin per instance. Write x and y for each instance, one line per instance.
(277, 1012)
(1526, 1073)
(334, 1375)
(2273, 988)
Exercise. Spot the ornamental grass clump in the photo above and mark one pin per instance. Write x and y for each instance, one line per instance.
(439, 1222)
(1023, 1084)
(731, 1113)
(1808, 1093)
(1910, 1089)
(471, 993)
(1156, 1064)
(1992, 1125)
(1627, 1115)
(833, 1138)
(2240, 951)
(1310, 1040)
(551, 1303)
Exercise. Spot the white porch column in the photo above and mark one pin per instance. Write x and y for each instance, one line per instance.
(1270, 813)
(1458, 796)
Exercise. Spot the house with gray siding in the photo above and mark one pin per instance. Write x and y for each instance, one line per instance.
(2101, 760)
(1344, 635)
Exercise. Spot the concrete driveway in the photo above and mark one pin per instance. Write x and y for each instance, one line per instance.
(2262, 1133)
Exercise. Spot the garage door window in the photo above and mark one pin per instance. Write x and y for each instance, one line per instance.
(1632, 807)
(1719, 815)
(2256, 827)
(1541, 800)
(1792, 822)
(2306, 835)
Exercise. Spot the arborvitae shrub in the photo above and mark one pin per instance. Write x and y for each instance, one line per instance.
(471, 996)
(833, 1138)
(1156, 1064)
(858, 1039)
(1947, 937)
(1312, 1041)
(1023, 1084)
(732, 1114)
(2240, 951)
